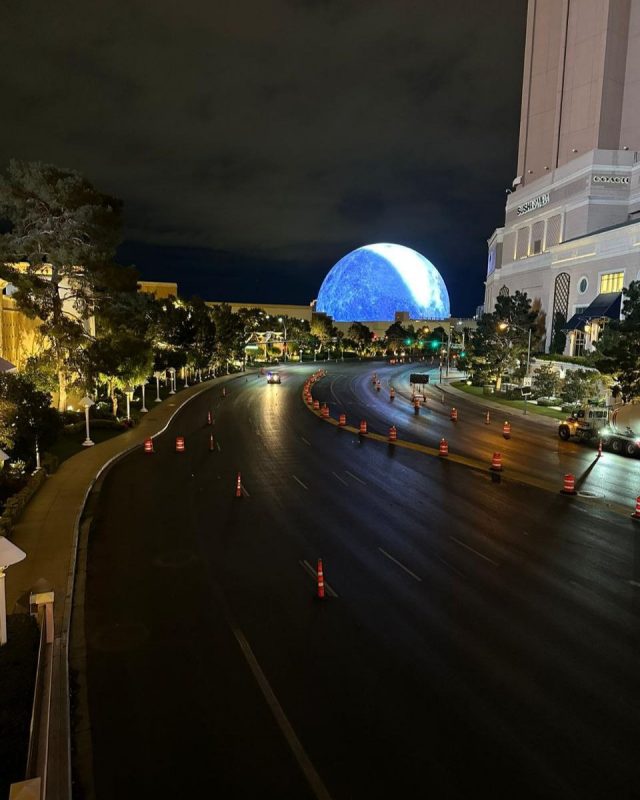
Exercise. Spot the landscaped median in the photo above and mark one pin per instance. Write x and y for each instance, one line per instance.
(513, 473)
(531, 406)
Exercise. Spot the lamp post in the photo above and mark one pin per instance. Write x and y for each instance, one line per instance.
(172, 378)
(157, 375)
(186, 377)
(9, 555)
(284, 325)
(86, 403)
(129, 394)
(144, 408)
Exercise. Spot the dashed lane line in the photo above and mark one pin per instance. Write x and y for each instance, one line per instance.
(335, 475)
(355, 477)
(304, 486)
(306, 441)
(401, 565)
(472, 550)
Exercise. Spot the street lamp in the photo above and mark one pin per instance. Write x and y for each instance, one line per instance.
(144, 408)
(284, 325)
(129, 394)
(157, 375)
(86, 403)
(172, 378)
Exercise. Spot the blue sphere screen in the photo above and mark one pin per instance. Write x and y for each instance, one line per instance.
(373, 282)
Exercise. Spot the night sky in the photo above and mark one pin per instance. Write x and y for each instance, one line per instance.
(256, 142)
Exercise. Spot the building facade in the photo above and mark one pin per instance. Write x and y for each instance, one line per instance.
(571, 235)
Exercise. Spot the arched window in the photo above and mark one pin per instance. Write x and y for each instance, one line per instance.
(560, 303)
(504, 292)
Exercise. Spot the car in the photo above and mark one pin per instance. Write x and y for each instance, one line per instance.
(273, 377)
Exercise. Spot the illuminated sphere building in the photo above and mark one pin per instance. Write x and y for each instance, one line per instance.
(374, 282)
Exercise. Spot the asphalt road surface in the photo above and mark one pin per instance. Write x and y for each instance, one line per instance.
(478, 637)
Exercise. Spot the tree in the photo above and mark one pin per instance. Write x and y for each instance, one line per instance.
(26, 417)
(545, 381)
(580, 385)
(395, 334)
(360, 335)
(618, 349)
(58, 249)
(230, 338)
(323, 330)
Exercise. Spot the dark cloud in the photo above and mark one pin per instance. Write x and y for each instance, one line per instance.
(275, 134)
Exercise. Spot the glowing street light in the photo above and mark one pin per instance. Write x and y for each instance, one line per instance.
(86, 403)
(172, 377)
(129, 394)
(285, 338)
(157, 375)
(144, 408)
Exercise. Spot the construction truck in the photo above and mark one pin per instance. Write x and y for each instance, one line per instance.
(617, 428)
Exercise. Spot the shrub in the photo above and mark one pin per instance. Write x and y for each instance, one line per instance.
(548, 401)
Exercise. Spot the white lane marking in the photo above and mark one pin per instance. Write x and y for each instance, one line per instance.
(305, 441)
(304, 486)
(335, 475)
(218, 446)
(451, 567)
(402, 566)
(310, 773)
(307, 566)
(355, 477)
(635, 583)
(486, 558)
(245, 492)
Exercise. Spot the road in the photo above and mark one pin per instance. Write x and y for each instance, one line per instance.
(480, 636)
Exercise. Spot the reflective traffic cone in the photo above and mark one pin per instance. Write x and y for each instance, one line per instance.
(148, 445)
(378, 386)
(179, 444)
(569, 486)
(316, 405)
(393, 434)
(342, 420)
(454, 415)
(325, 411)
(496, 462)
(444, 448)
(506, 430)
(487, 419)
(209, 418)
(416, 405)
(392, 393)
(599, 448)
(636, 513)
(363, 426)
(320, 580)
(224, 391)
(212, 443)
(239, 486)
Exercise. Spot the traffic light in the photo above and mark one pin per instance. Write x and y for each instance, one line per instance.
(408, 341)
(434, 344)
(463, 353)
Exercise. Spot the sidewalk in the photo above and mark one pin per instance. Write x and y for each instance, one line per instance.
(47, 528)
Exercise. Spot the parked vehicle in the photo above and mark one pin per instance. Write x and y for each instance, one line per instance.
(618, 428)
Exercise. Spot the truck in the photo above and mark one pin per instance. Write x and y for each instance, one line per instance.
(618, 428)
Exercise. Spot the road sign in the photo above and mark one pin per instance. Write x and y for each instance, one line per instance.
(526, 381)
(418, 377)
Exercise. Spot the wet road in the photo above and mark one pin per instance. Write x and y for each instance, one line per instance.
(478, 636)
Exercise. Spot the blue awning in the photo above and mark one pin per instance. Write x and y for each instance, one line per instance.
(605, 306)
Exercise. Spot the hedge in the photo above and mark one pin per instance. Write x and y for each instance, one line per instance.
(17, 503)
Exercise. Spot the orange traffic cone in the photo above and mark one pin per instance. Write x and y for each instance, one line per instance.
(316, 405)
(320, 580)
(454, 415)
(393, 434)
(239, 486)
(496, 462)
(224, 391)
(392, 393)
(363, 426)
(599, 448)
(325, 411)
(342, 420)
(212, 443)
(506, 430)
(636, 513)
(148, 445)
(179, 444)
(208, 418)
(444, 447)
(569, 486)
(487, 419)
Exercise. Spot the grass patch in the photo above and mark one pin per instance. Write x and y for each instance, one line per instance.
(18, 661)
(532, 408)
